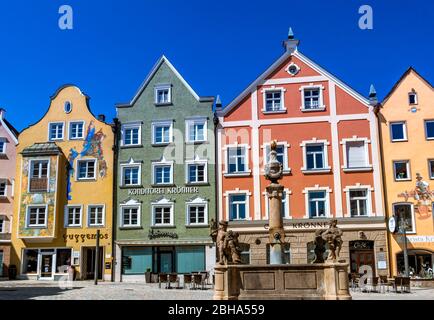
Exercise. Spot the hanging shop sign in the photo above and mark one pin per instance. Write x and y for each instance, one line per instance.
(159, 234)
(170, 190)
(393, 226)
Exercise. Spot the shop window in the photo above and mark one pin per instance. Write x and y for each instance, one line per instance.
(405, 212)
(136, 260)
(190, 259)
(30, 261)
(420, 263)
(63, 260)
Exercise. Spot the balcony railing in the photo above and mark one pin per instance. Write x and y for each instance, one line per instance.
(38, 184)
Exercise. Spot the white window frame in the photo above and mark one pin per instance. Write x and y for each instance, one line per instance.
(197, 202)
(78, 161)
(130, 164)
(289, 66)
(159, 88)
(191, 122)
(161, 123)
(29, 177)
(408, 170)
(413, 93)
(413, 218)
(132, 204)
(5, 181)
(321, 105)
(247, 171)
(28, 216)
(162, 162)
(89, 207)
(49, 130)
(70, 124)
(282, 100)
(430, 172)
(327, 200)
(426, 129)
(315, 141)
(266, 150)
(131, 126)
(237, 191)
(368, 165)
(4, 143)
(3, 223)
(404, 128)
(356, 187)
(163, 203)
(288, 192)
(72, 206)
(196, 161)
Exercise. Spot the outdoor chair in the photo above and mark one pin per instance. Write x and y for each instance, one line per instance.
(355, 282)
(188, 280)
(205, 279)
(197, 280)
(385, 284)
(405, 284)
(162, 278)
(173, 278)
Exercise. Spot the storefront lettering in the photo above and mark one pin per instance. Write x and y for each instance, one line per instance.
(309, 225)
(158, 234)
(414, 239)
(84, 237)
(172, 190)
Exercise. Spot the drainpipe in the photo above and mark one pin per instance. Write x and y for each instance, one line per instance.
(115, 129)
(218, 107)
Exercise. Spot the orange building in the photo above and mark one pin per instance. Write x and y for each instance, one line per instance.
(328, 143)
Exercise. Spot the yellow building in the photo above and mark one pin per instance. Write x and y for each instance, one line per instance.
(64, 192)
(407, 133)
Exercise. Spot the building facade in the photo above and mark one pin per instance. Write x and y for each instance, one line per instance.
(8, 142)
(166, 178)
(64, 192)
(328, 144)
(406, 118)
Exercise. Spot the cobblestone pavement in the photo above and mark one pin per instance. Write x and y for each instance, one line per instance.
(86, 290)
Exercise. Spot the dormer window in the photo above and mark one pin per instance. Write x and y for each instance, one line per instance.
(412, 97)
(163, 95)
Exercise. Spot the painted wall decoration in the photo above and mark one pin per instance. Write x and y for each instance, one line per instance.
(92, 147)
(46, 198)
(422, 195)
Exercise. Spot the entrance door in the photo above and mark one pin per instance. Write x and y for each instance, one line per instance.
(89, 262)
(362, 258)
(166, 262)
(46, 266)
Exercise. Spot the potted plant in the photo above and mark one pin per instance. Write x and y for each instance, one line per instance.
(148, 275)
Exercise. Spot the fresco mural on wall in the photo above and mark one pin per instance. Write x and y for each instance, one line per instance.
(422, 195)
(46, 198)
(92, 147)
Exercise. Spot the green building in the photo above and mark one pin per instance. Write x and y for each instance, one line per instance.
(166, 179)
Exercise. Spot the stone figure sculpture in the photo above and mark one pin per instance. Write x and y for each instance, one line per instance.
(213, 230)
(333, 236)
(319, 247)
(274, 169)
(227, 245)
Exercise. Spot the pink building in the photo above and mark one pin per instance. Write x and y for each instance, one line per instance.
(8, 142)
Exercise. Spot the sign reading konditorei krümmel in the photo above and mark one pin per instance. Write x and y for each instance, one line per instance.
(170, 190)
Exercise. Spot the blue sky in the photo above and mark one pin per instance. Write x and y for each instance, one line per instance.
(218, 46)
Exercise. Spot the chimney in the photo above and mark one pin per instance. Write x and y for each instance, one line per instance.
(373, 100)
(2, 113)
(101, 117)
(291, 43)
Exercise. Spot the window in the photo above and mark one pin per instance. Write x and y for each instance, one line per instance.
(315, 157)
(196, 130)
(56, 131)
(136, 260)
(86, 169)
(162, 132)
(402, 170)
(130, 217)
(237, 207)
(312, 98)
(63, 260)
(73, 216)
(356, 154)
(131, 176)
(245, 253)
(2, 224)
(162, 174)
(67, 107)
(273, 101)
(162, 215)
(197, 173)
(282, 154)
(431, 168)
(405, 212)
(237, 159)
(36, 216)
(95, 216)
(398, 131)
(2, 145)
(38, 176)
(358, 202)
(131, 134)
(317, 204)
(190, 259)
(76, 130)
(3, 188)
(163, 95)
(30, 263)
(429, 129)
(412, 98)
(196, 214)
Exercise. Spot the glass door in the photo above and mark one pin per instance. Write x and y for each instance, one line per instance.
(46, 266)
(166, 262)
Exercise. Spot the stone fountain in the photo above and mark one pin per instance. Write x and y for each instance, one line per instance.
(322, 280)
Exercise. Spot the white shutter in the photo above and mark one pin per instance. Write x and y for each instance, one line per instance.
(356, 156)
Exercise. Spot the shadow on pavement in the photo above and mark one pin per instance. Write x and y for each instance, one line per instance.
(32, 292)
